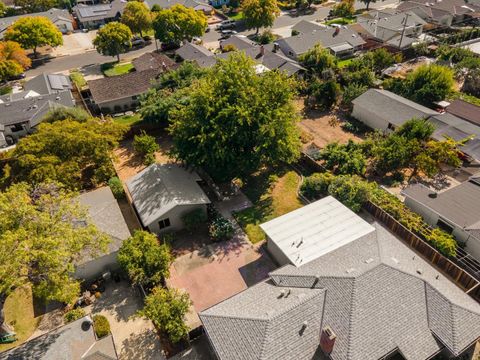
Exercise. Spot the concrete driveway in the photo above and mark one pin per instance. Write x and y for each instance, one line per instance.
(135, 338)
(76, 43)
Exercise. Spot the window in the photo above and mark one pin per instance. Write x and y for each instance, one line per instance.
(442, 224)
(164, 223)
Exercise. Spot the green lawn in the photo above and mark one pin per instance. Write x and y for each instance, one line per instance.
(340, 21)
(272, 196)
(238, 16)
(115, 69)
(77, 77)
(19, 313)
(128, 119)
(344, 63)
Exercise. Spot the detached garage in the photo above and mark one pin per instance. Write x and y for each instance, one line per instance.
(163, 194)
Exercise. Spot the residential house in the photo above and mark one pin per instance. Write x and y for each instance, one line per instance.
(455, 210)
(93, 16)
(60, 18)
(465, 110)
(396, 30)
(163, 193)
(73, 341)
(385, 111)
(120, 93)
(105, 214)
(443, 12)
(21, 112)
(341, 41)
(348, 290)
(196, 5)
(266, 59)
(152, 61)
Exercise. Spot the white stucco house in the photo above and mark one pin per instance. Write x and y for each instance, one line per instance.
(163, 193)
(105, 213)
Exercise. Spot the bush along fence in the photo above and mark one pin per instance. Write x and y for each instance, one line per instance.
(435, 245)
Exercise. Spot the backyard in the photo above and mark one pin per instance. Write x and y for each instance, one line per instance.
(129, 120)
(273, 193)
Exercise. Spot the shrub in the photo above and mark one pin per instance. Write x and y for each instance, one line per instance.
(4, 90)
(73, 315)
(352, 191)
(146, 146)
(221, 229)
(266, 37)
(324, 94)
(316, 185)
(295, 32)
(116, 187)
(194, 218)
(351, 92)
(101, 326)
(228, 48)
(66, 113)
(443, 242)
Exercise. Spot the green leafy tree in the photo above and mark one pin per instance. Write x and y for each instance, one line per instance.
(352, 191)
(346, 8)
(145, 260)
(260, 13)
(428, 84)
(362, 77)
(33, 32)
(3, 9)
(323, 94)
(137, 17)
(146, 146)
(41, 240)
(13, 60)
(113, 39)
(391, 153)
(235, 121)
(416, 129)
(178, 23)
(66, 113)
(167, 308)
(345, 159)
(316, 185)
(33, 6)
(73, 153)
(368, 2)
(351, 92)
(318, 59)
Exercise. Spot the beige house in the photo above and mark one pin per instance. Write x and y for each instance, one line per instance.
(163, 194)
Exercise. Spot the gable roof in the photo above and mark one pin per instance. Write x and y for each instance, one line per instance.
(53, 14)
(48, 83)
(159, 188)
(326, 36)
(72, 341)
(379, 297)
(191, 51)
(153, 60)
(459, 204)
(392, 108)
(465, 110)
(240, 42)
(122, 86)
(439, 11)
(167, 4)
(98, 12)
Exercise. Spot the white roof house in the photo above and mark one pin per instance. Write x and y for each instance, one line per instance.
(314, 230)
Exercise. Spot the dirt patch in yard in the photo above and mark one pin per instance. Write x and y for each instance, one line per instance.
(128, 164)
(325, 127)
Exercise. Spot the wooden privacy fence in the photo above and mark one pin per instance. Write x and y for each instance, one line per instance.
(459, 276)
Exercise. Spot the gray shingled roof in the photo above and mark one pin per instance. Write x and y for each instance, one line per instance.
(439, 10)
(68, 342)
(159, 188)
(379, 297)
(153, 60)
(391, 107)
(48, 84)
(190, 51)
(459, 204)
(98, 12)
(166, 4)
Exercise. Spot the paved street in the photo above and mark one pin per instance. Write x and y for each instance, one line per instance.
(65, 63)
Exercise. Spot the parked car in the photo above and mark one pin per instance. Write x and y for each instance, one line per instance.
(227, 33)
(137, 42)
(227, 24)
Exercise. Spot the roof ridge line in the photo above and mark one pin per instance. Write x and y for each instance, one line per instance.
(351, 318)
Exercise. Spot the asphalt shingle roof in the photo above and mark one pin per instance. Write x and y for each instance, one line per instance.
(190, 51)
(465, 110)
(379, 296)
(391, 107)
(153, 60)
(52, 14)
(98, 12)
(159, 188)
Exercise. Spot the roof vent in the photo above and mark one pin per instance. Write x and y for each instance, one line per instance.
(437, 277)
(57, 98)
(288, 293)
(432, 195)
(327, 339)
(350, 270)
(282, 294)
(395, 260)
(419, 271)
(368, 261)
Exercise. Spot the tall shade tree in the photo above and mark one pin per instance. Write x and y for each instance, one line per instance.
(33, 32)
(137, 17)
(41, 240)
(13, 60)
(145, 260)
(32, 6)
(113, 39)
(318, 59)
(178, 23)
(235, 121)
(260, 13)
(76, 154)
(368, 2)
(167, 308)
(3, 9)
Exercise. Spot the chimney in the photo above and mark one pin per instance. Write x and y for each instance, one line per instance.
(327, 340)
(336, 32)
(262, 50)
(276, 47)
